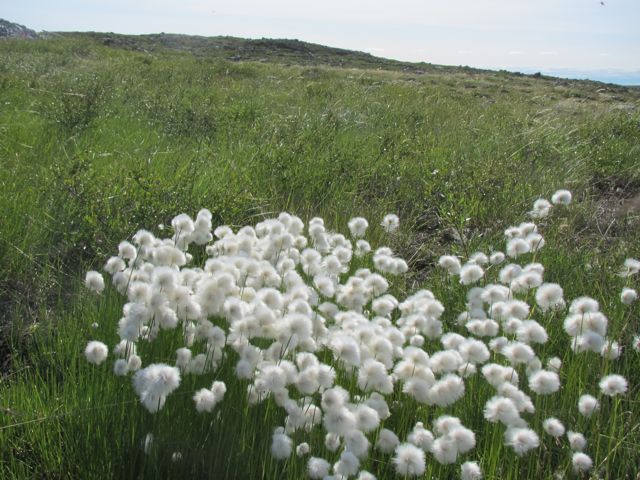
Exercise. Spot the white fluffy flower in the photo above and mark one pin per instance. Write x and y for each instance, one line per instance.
(632, 267)
(205, 400)
(358, 226)
(409, 460)
(94, 281)
(576, 441)
(613, 385)
(387, 441)
(96, 352)
(450, 263)
(470, 273)
(544, 382)
(553, 427)
(318, 468)
(549, 296)
(281, 444)
(562, 197)
(628, 296)
(581, 462)
(154, 383)
(517, 247)
(470, 471)
(588, 404)
(348, 464)
(521, 439)
(302, 449)
(390, 223)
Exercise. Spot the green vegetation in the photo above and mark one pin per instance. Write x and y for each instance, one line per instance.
(101, 138)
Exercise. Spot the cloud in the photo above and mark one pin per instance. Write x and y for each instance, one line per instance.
(465, 52)
(548, 53)
(515, 52)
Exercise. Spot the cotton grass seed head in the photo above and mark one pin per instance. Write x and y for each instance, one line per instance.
(470, 273)
(613, 385)
(409, 460)
(318, 468)
(581, 462)
(628, 296)
(390, 223)
(96, 352)
(358, 226)
(576, 441)
(561, 197)
(470, 471)
(521, 439)
(553, 427)
(94, 281)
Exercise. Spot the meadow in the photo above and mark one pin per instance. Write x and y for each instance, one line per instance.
(99, 139)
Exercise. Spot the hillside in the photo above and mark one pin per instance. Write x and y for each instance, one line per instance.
(14, 30)
(280, 51)
(102, 135)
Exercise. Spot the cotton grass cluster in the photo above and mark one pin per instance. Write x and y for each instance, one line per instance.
(312, 324)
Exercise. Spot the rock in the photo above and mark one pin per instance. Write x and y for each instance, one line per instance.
(13, 30)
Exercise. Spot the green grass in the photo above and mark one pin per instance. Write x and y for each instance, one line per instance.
(97, 141)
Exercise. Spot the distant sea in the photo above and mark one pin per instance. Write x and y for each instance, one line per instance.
(618, 77)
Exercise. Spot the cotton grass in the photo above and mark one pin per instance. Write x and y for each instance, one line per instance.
(310, 323)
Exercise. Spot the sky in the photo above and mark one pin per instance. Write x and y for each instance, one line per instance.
(573, 38)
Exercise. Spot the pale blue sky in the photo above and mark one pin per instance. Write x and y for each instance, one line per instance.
(547, 35)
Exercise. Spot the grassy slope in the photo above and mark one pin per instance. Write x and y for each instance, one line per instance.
(97, 141)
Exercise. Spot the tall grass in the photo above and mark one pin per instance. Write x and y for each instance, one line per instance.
(96, 143)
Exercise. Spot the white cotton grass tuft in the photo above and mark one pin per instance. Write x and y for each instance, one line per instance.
(628, 296)
(544, 382)
(450, 263)
(517, 247)
(553, 427)
(613, 385)
(502, 409)
(318, 468)
(281, 444)
(154, 383)
(358, 226)
(549, 296)
(541, 208)
(521, 439)
(577, 441)
(94, 281)
(387, 441)
(390, 223)
(120, 367)
(307, 296)
(96, 352)
(631, 267)
(207, 399)
(348, 465)
(364, 475)
(409, 460)
(302, 449)
(581, 462)
(611, 350)
(561, 197)
(470, 273)
(496, 258)
(470, 471)
(588, 405)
